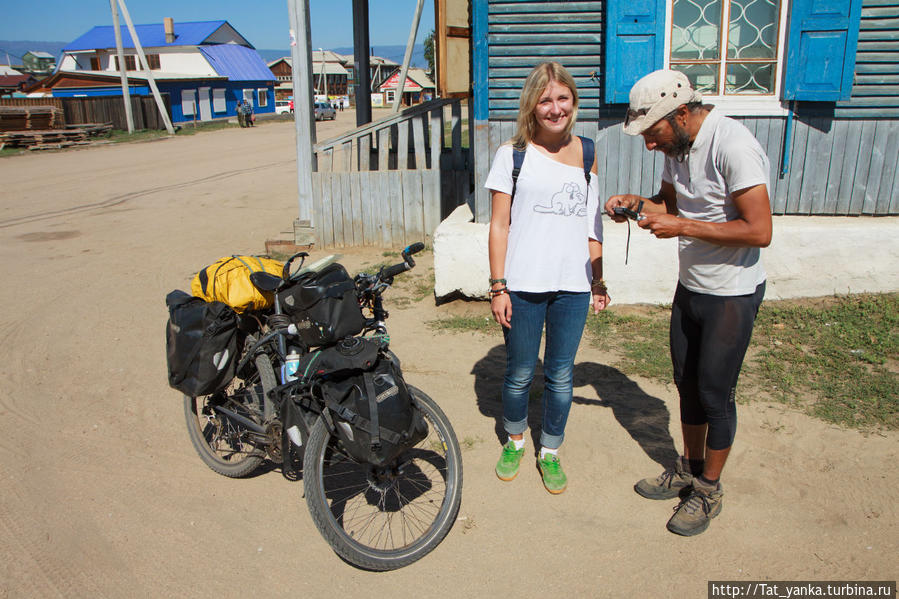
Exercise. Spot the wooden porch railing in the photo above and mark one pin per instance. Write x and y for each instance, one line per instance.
(389, 183)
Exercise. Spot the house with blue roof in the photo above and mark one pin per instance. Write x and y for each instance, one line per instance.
(205, 67)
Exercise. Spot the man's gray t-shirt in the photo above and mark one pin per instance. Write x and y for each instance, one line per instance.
(725, 157)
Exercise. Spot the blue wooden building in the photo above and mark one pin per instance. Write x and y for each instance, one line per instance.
(206, 68)
(817, 82)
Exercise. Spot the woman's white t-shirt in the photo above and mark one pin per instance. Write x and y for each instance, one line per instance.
(553, 214)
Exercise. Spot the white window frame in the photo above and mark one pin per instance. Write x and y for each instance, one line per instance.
(249, 97)
(219, 103)
(769, 105)
(391, 94)
(190, 102)
(262, 94)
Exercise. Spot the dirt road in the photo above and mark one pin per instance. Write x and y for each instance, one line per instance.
(103, 496)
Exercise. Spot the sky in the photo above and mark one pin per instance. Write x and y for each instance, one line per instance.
(264, 23)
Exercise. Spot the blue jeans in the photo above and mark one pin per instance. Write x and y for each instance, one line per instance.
(564, 314)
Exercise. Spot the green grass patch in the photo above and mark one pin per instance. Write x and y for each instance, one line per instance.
(465, 324)
(641, 341)
(838, 361)
(423, 287)
(189, 128)
(12, 152)
(118, 136)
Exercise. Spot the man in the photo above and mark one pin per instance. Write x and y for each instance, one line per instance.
(240, 114)
(714, 198)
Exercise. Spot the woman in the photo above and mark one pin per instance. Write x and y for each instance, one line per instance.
(545, 252)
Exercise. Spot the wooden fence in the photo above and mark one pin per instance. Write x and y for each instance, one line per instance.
(391, 182)
(102, 109)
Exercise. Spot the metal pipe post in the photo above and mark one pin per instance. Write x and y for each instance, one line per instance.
(361, 61)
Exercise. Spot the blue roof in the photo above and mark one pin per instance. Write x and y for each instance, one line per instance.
(190, 33)
(237, 63)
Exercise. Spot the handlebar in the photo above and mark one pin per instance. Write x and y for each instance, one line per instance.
(388, 272)
(376, 283)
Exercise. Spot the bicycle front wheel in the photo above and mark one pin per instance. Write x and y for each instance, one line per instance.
(385, 518)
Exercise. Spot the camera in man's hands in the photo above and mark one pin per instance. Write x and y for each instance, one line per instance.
(628, 213)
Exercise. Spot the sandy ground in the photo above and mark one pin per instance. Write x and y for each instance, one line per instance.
(102, 494)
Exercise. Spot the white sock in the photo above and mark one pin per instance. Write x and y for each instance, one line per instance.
(519, 443)
(546, 450)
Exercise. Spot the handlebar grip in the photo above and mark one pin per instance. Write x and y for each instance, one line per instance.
(413, 248)
(391, 271)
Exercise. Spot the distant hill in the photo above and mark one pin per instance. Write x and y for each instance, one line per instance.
(394, 53)
(15, 49)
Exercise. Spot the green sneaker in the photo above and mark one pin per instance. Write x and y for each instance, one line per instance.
(554, 478)
(507, 466)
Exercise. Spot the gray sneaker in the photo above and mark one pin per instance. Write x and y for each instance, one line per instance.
(695, 512)
(668, 484)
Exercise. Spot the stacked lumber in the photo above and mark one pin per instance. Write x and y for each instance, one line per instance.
(44, 140)
(28, 118)
(93, 129)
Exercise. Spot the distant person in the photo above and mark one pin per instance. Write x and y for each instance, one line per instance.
(248, 116)
(714, 199)
(545, 250)
(241, 120)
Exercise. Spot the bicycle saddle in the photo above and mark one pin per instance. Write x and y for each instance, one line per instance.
(264, 281)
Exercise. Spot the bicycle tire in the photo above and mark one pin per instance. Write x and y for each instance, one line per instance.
(335, 486)
(223, 445)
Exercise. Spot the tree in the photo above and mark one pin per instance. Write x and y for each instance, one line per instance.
(429, 53)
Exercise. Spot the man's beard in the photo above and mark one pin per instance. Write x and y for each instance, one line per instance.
(680, 147)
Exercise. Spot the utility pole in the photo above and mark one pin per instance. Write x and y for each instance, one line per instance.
(120, 54)
(324, 75)
(143, 61)
(304, 117)
(413, 33)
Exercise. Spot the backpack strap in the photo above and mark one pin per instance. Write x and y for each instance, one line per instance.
(589, 154)
(517, 161)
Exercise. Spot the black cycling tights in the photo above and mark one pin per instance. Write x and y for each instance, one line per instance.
(709, 336)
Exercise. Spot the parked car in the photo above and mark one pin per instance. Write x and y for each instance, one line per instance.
(282, 106)
(323, 111)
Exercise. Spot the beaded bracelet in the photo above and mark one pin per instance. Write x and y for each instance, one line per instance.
(495, 292)
(495, 281)
(599, 286)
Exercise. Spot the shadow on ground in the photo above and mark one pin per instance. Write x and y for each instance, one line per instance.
(643, 416)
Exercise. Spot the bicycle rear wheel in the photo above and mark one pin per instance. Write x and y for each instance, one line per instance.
(224, 444)
(385, 518)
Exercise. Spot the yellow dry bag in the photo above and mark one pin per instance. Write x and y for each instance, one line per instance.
(227, 280)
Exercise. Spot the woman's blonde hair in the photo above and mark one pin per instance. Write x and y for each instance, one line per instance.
(534, 86)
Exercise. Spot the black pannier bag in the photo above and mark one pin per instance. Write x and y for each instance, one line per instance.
(323, 306)
(201, 344)
(374, 415)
